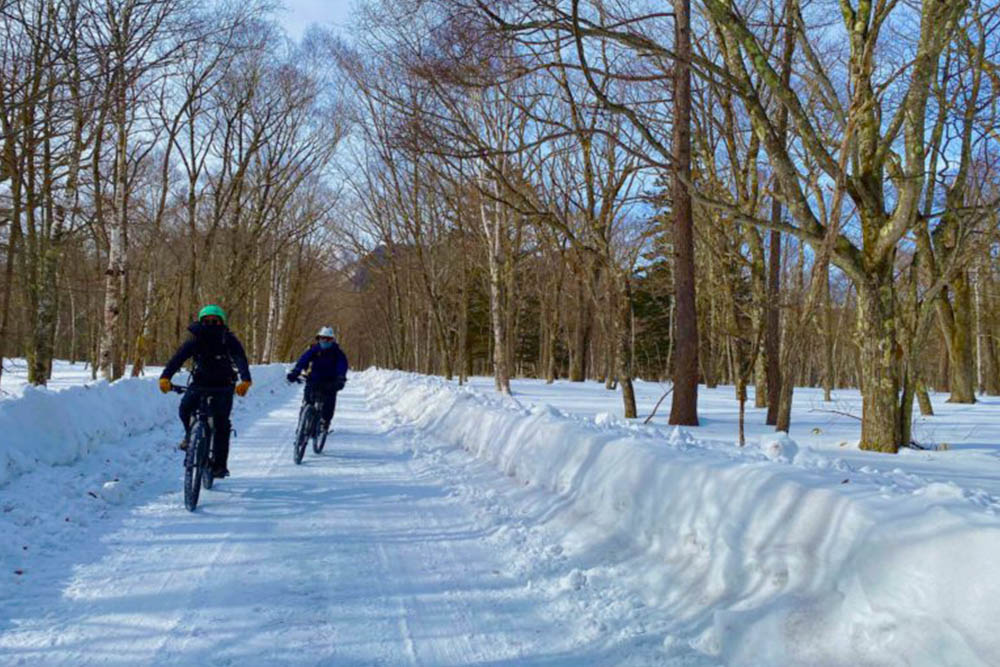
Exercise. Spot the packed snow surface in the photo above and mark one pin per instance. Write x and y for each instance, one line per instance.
(447, 525)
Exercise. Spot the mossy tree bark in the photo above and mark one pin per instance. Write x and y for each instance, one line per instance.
(955, 316)
(876, 330)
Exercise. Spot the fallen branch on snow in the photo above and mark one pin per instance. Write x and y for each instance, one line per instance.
(655, 407)
(837, 412)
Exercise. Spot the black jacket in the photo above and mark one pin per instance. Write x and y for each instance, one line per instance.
(218, 356)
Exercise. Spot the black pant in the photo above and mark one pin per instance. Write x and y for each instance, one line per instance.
(222, 405)
(324, 393)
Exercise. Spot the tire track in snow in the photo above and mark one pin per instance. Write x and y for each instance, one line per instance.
(376, 552)
(195, 626)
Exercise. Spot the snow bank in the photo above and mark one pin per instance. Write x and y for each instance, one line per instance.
(765, 562)
(43, 427)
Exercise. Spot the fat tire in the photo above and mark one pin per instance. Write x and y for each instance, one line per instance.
(302, 435)
(193, 467)
(192, 487)
(205, 459)
(319, 442)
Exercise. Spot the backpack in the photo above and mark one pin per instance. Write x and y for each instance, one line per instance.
(212, 362)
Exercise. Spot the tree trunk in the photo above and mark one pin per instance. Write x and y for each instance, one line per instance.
(828, 341)
(924, 400)
(501, 371)
(684, 406)
(741, 396)
(944, 366)
(501, 374)
(429, 360)
(551, 335)
(612, 334)
(772, 330)
(48, 253)
(143, 344)
(112, 304)
(32, 263)
(668, 371)
(906, 409)
(463, 323)
(510, 309)
(783, 413)
(958, 333)
(273, 305)
(8, 285)
(581, 335)
(708, 344)
(117, 259)
(94, 334)
(623, 353)
(44, 301)
(991, 369)
(125, 326)
(880, 418)
(760, 382)
(192, 223)
(72, 325)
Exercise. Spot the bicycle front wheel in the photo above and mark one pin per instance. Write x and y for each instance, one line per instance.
(193, 467)
(302, 435)
(205, 457)
(205, 460)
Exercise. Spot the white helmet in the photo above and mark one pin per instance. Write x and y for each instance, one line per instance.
(325, 332)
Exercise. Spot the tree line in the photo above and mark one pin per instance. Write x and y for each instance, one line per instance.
(764, 193)
(157, 155)
(757, 193)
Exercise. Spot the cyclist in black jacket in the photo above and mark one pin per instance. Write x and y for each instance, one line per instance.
(218, 358)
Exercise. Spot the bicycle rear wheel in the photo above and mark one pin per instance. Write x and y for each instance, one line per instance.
(319, 440)
(207, 477)
(193, 467)
(302, 435)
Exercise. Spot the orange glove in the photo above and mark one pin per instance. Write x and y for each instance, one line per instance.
(243, 387)
(164, 385)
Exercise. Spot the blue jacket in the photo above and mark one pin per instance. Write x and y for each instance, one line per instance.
(322, 365)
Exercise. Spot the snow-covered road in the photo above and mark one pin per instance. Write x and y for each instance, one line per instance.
(376, 552)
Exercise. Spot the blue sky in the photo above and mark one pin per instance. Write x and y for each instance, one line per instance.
(300, 14)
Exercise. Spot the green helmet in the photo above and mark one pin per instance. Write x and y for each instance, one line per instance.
(212, 309)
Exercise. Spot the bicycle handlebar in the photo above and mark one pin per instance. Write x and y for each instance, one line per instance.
(301, 380)
(180, 389)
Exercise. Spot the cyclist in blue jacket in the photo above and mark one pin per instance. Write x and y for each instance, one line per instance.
(324, 366)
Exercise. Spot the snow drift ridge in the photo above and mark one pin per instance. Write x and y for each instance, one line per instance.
(45, 427)
(765, 563)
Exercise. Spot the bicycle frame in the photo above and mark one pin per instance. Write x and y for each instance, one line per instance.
(201, 432)
(203, 410)
(310, 426)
